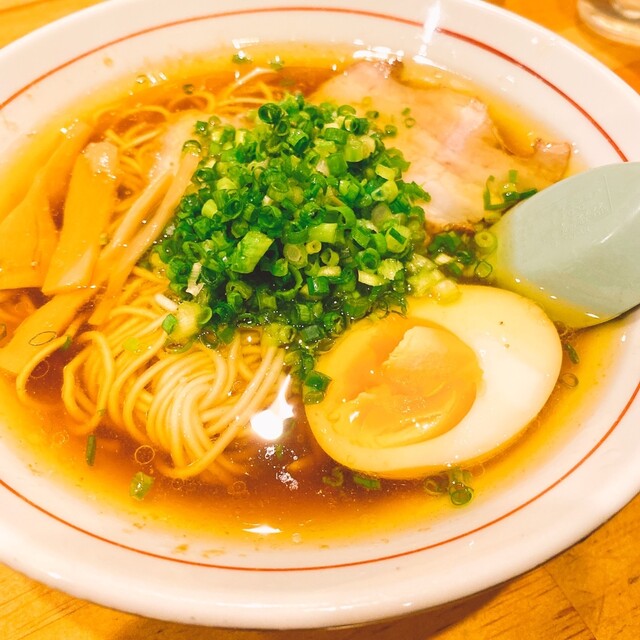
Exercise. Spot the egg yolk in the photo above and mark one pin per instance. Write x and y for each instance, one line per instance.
(426, 384)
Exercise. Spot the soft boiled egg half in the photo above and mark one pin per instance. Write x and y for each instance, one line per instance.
(445, 385)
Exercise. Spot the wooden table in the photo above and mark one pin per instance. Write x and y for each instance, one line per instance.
(590, 591)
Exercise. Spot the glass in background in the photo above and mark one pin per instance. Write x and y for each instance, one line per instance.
(615, 19)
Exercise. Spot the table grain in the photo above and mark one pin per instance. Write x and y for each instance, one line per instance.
(591, 591)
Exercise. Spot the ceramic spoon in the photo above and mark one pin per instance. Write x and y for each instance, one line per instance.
(575, 247)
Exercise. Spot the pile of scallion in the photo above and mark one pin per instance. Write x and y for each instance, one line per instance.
(300, 224)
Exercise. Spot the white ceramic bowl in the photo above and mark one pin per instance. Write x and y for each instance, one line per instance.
(68, 540)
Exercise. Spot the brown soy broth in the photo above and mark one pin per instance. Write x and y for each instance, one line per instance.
(294, 501)
(296, 504)
(180, 94)
(307, 509)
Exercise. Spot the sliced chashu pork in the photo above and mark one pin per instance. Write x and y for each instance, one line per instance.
(453, 146)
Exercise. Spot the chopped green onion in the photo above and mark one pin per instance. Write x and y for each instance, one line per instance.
(311, 334)
(368, 259)
(313, 246)
(240, 58)
(571, 352)
(436, 485)
(140, 485)
(193, 287)
(443, 258)
(90, 450)
(300, 224)
(281, 334)
(460, 494)
(317, 380)
(330, 271)
(325, 232)
(501, 196)
(187, 321)
(423, 282)
(337, 164)
(355, 150)
(249, 251)
(333, 323)
(486, 241)
(318, 286)
(371, 279)
(454, 268)
(397, 238)
(346, 109)
(335, 479)
(390, 268)
(356, 308)
(311, 396)
(271, 113)
(483, 269)
(302, 313)
(209, 208)
(335, 135)
(386, 192)
(388, 173)
(295, 254)
(367, 482)
(454, 483)
(276, 64)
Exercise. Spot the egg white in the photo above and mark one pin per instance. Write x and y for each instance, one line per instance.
(518, 350)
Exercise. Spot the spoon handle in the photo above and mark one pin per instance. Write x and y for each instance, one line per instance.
(575, 247)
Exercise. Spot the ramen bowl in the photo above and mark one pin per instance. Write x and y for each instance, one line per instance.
(65, 531)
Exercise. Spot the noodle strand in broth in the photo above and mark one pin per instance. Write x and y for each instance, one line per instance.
(191, 405)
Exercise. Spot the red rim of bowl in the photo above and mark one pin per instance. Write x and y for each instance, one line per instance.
(446, 32)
